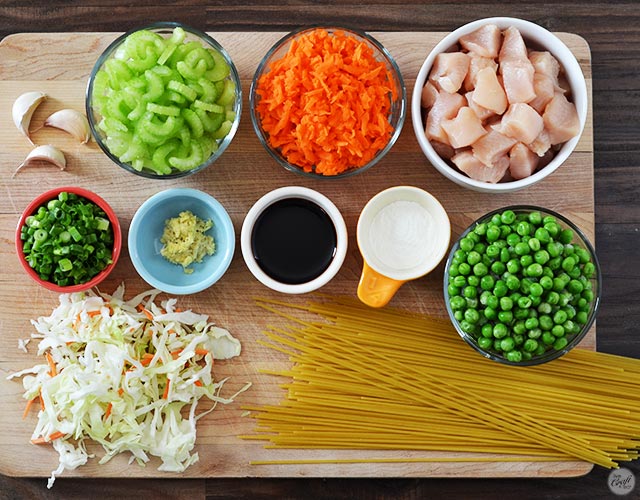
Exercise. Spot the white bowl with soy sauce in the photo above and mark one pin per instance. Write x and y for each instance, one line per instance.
(294, 240)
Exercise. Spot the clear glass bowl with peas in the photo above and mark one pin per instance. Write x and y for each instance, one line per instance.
(522, 285)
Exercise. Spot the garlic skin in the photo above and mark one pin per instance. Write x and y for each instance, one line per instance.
(23, 109)
(48, 153)
(72, 122)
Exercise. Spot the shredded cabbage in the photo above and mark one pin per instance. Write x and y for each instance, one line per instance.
(120, 373)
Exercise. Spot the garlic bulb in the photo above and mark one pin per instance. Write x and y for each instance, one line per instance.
(71, 121)
(48, 153)
(23, 108)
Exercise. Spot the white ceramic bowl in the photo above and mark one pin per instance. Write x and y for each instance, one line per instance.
(289, 192)
(541, 39)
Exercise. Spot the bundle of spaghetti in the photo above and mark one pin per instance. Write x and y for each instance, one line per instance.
(389, 379)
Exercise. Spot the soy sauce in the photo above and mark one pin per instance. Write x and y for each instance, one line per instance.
(293, 240)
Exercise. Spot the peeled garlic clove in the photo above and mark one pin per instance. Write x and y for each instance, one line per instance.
(71, 121)
(23, 108)
(46, 153)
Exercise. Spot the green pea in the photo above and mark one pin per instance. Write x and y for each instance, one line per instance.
(557, 331)
(570, 327)
(535, 218)
(534, 270)
(514, 356)
(496, 220)
(496, 345)
(505, 255)
(487, 282)
(473, 258)
(560, 343)
(485, 343)
(525, 286)
(524, 302)
(583, 255)
(546, 323)
(459, 315)
(534, 244)
(589, 269)
(498, 267)
(472, 316)
(545, 308)
(548, 272)
(523, 228)
(493, 233)
(560, 317)
(505, 231)
(464, 268)
(493, 302)
(588, 295)
(453, 290)
(487, 331)
(566, 236)
(505, 317)
(542, 235)
(513, 266)
(513, 283)
(536, 290)
(457, 302)
(508, 217)
(558, 284)
(521, 248)
(555, 263)
(500, 290)
(467, 244)
(582, 317)
(530, 345)
(459, 281)
(507, 344)
(554, 248)
(531, 323)
(519, 328)
(540, 350)
(513, 239)
(480, 229)
(490, 313)
(467, 327)
(548, 338)
(506, 304)
(493, 251)
(473, 280)
(526, 356)
(526, 260)
(480, 269)
(470, 292)
(546, 282)
(481, 248)
(552, 228)
(500, 330)
(541, 257)
(575, 286)
(536, 333)
(535, 301)
(569, 249)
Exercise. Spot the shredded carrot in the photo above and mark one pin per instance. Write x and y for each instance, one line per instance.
(177, 353)
(198, 383)
(165, 394)
(146, 359)
(325, 104)
(28, 407)
(120, 391)
(201, 352)
(91, 314)
(41, 440)
(148, 314)
(108, 411)
(52, 366)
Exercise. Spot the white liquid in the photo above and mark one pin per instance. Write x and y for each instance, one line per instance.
(401, 235)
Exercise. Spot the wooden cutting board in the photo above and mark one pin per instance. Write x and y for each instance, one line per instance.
(59, 64)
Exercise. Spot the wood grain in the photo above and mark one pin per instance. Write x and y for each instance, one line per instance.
(29, 61)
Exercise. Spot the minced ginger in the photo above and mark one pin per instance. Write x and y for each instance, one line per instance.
(184, 241)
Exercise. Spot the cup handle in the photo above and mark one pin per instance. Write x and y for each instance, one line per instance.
(375, 289)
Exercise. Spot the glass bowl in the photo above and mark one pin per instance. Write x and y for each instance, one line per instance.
(537, 38)
(396, 111)
(42, 200)
(492, 297)
(146, 98)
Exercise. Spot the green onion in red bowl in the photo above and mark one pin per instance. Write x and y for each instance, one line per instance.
(68, 239)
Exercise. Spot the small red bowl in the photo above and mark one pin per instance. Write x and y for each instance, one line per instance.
(42, 199)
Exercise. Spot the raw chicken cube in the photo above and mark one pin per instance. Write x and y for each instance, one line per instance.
(429, 94)
(445, 107)
(465, 129)
(485, 41)
(522, 161)
(482, 113)
(492, 146)
(477, 63)
(521, 122)
(449, 70)
(545, 64)
(513, 46)
(488, 92)
(517, 78)
(544, 89)
(561, 119)
(444, 151)
(542, 144)
(477, 170)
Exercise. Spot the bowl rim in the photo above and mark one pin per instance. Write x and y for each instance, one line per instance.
(578, 86)
(106, 54)
(402, 101)
(294, 192)
(597, 278)
(50, 194)
(226, 227)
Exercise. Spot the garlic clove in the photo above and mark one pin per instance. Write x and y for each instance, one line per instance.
(48, 153)
(71, 121)
(23, 108)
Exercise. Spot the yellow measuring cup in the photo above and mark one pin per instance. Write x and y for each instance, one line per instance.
(403, 233)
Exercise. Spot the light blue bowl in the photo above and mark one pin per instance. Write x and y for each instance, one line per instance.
(146, 230)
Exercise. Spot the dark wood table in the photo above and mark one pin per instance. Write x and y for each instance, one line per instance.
(611, 29)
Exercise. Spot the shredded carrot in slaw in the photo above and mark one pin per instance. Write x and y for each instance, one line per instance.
(325, 105)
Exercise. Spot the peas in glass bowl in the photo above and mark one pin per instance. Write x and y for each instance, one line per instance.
(522, 285)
